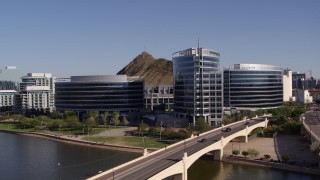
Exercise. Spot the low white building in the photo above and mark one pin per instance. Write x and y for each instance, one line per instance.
(7, 97)
(303, 96)
(36, 92)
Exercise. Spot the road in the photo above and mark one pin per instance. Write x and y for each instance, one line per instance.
(147, 167)
(312, 119)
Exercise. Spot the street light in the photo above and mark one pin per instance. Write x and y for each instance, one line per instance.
(160, 129)
(59, 130)
(83, 130)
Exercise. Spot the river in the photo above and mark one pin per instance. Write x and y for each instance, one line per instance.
(32, 158)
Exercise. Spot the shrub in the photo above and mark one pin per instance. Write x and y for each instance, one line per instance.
(253, 152)
(267, 156)
(235, 152)
(245, 153)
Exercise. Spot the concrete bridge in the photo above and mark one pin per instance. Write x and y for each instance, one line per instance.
(311, 126)
(175, 160)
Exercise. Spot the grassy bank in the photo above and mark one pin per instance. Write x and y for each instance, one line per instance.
(127, 141)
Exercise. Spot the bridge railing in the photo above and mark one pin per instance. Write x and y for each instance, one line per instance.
(307, 128)
(162, 149)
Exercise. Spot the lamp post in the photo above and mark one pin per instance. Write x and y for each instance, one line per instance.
(83, 130)
(59, 130)
(160, 129)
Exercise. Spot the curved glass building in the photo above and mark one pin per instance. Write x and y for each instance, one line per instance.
(253, 86)
(100, 93)
(198, 85)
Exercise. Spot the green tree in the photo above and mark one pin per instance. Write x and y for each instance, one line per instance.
(73, 122)
(245, 153)
(235, 152)
(115, 118)
(292, 127)
(125, 121)
(104, 118)
(297, 112)
(69, 113)
(90, 122)
(226, 120)
(28, 122)
(201, 125)
(55, 115)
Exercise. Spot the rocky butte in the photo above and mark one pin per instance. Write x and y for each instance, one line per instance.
(154, 71)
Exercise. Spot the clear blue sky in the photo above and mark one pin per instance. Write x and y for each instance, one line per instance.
(87, 37)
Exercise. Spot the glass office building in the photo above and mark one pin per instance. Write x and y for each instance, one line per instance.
(100, 93)
(253, 86)
(198, 85)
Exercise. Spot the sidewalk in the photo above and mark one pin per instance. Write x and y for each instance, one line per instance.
(296, 147)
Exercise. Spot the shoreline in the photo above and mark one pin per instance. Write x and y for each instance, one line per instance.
(235, 160)
(273, 165)
(81, 142)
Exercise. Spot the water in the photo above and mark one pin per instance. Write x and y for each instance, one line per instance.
(31, 158)
(213, 170)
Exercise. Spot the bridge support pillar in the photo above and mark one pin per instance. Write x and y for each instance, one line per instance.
(177, 177)
(145, 152)
(218, 154)
(243, 139)
(185, 170)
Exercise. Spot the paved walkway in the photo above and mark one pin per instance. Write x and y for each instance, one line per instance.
(296, 147)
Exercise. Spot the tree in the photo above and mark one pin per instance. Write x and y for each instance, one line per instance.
(235, 152)
(104, 118)
(55, 115)
(292, 127)
(125, 121)
(267, 156)
(90, 122)
(72, 122)
(115, 118)
(69, 113)
(201, 125)
(245, 153)
(253, 152)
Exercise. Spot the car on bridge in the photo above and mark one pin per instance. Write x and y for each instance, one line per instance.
(203, 140)
(227, 129)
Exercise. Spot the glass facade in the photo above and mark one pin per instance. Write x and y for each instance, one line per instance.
(255, 89)
(88, 95)
(197, 84)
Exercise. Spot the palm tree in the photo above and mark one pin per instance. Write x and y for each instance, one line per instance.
(115, 118)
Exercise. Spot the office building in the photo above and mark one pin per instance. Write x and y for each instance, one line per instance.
(287, 85)
(253, 86)
(10, 78)
(104, 93)
(303, 96)
(36, 93)
(198, 85)
(158, 97)
(7, 99)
